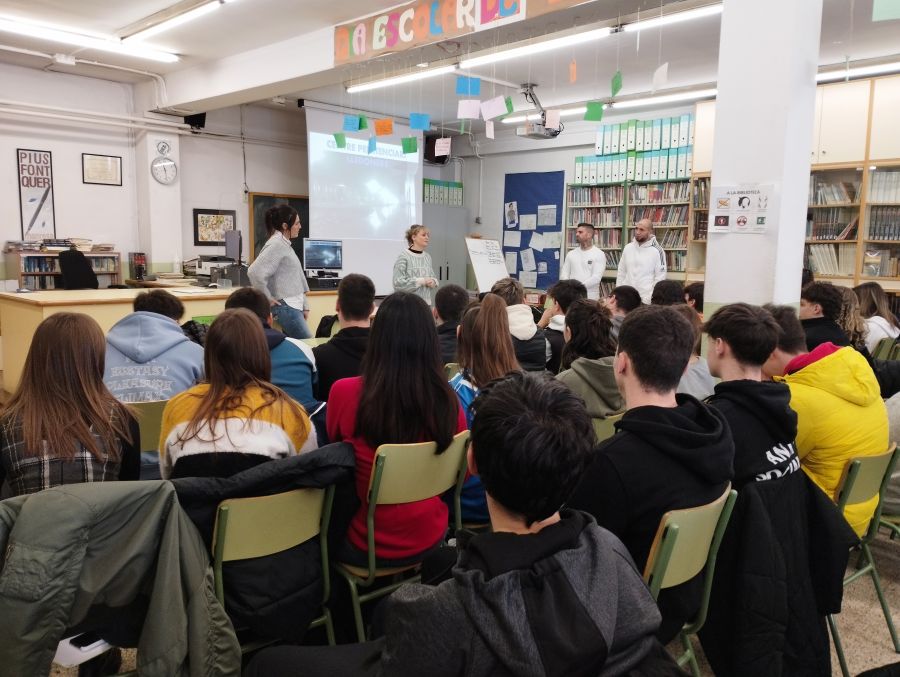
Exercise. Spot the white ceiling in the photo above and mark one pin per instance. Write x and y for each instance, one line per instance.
(691, 49)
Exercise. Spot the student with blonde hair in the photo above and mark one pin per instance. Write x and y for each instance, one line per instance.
(62, 425)
(874, 307)
(413, 270)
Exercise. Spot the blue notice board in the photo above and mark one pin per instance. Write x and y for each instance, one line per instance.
(534, 194)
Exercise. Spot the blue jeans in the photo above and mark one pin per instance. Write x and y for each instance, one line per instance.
(291, 320)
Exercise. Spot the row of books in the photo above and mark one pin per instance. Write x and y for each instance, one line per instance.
(50, 264)
(596, 195)
(21, 245)
(669, 215)
(442, 192)
(700, 196)
(605, 217)
(676, 237)
(604, 238)
(652, 193)
(613, 257)
(885, 186)
(701, 225)
(644, 135)
(831, 259)
(880, 263)
(655, 165)
(831, 224)
(676, 261)
(884, 223)
(831, 192)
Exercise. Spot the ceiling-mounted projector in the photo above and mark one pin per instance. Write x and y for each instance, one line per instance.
(536, 130)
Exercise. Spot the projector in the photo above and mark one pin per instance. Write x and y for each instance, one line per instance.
(535, 130)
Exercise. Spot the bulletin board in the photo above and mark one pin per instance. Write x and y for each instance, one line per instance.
(532, 227)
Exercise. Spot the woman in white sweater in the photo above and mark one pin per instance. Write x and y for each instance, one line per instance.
(874, 307)
(413, 270)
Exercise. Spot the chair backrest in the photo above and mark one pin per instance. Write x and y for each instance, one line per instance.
(451, 369)
(605, 427)
(317, 341)
(863, 478)
(150, 422)
(405, 473)
(686, 542)
(883, 349)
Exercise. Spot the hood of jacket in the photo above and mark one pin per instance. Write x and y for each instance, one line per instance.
(143, 336)
(521, 321)
(694, 434)
(558, 597)
(597, 376)
(766, 400)
(842, 372)
(274, 338)
(557, 323)
(351, 341)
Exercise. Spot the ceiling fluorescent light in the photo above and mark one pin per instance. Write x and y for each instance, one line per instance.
(565, 112)
(665, 98)
(859, 72)
(401, 79)
(174, 21)
(78, 40)
(537, 48)
(674, 18)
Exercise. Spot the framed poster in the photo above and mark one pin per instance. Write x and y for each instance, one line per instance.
(260, 203)
(104, 170)
(36, 208)
(210, 226)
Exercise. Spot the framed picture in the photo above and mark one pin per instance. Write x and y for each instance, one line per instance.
(260, 203)
(36, 208)
(210, 226)
(104, 170)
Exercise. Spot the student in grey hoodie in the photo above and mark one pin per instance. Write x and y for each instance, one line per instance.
(548, 592)
(532, 347)
(148, 357)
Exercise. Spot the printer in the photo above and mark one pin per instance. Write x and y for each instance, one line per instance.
(206, 263)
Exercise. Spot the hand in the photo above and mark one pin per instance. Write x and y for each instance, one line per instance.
(305, 314)
(545, 318)
(431, 282)
(273, 302)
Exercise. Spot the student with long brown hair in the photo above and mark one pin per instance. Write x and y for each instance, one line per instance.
(235, 419)
(484, 352)
(874, 307)
(62, 425)
(401, 397)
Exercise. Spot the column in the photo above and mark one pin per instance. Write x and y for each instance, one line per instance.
(159, 206)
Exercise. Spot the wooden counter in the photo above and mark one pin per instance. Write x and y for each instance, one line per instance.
(20, 314)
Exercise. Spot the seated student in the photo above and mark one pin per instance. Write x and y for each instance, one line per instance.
(587, 359)
(561, 295)
(876, 310)
(693, 296)
(402, 396)
(621, 301)
(62, 425)
(485, 352)
(670, 451)
(236, 419)
(449, 303)
(148, 357)
(696, 380)
(840, 413)
(820, 305)
(667, 293)
(293, 361)
(763, 425)
(851, 321)
(547, 593)
(531, 346)
(341, 356)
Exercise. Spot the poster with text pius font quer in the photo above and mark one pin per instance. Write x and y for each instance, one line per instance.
(36, 194)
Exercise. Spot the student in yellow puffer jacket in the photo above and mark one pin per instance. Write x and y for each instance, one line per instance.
(840, 413)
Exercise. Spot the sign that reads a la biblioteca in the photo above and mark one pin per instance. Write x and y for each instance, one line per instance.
(424, 22)
(36, 193)
(741, 209)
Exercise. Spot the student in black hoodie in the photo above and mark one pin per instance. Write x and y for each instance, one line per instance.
(341, 356)
(449, 303)
(669, 452)
(820, 305)
(553, 322)
(764, 427)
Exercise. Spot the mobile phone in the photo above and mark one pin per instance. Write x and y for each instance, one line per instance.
(86, 641)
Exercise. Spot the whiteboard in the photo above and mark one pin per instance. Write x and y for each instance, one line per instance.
(487, 262)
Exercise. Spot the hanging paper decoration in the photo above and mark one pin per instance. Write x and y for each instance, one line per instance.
(616, 84)
(420, 121)
(363, 122)
(351, 123)
(467, 86)
(371, 145)
(410, 144)
(573, 71)
(340, 140)
(594, 111)
(496, 107)
(384, 127)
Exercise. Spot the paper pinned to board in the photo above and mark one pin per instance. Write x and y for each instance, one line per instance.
(511, 212)
(512, 261)
(546, 215)
(552, 240)
(537, 242)
(527, 221)
(527, 259)
(512, 238)
(528, 279)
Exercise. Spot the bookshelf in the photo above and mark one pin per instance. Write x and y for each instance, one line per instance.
(832, 222)
(667, 205)
(38, 270)
(880, 259)
(699, 219)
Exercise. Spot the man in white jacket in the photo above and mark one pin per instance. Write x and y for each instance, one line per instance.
(643, 262)
(586, 263)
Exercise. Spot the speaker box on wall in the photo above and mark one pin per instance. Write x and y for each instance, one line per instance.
(197, 121)
(428, 152)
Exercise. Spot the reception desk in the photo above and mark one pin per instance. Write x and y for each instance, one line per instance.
(20, 314)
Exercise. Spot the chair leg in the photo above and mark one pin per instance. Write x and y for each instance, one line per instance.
(329, 627)
(838, 648)
(688, 656)
(876, 579)
(357, 610)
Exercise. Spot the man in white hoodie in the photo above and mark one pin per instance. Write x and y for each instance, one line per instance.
(586, 263)
(643, 262)
(531, 346)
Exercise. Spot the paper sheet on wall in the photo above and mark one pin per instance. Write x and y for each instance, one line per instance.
(552, 240)
(527, 221)
(512, 239)
(546, 215)
(542, 267)
(556, 255)
(528, 279)
(537, 242)
(527, 259)
(511, 262)
(511, 211)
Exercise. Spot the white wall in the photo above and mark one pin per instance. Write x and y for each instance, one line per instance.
(212, 172)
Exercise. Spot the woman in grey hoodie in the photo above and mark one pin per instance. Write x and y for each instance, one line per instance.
(413, 270)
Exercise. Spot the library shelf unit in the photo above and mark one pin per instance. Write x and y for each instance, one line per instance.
(38, 270)
(880, 256)
(667, 205)
(832, 221)
(699, 219)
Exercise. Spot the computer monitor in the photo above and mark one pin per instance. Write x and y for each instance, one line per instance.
(323, 255)
(233, 245)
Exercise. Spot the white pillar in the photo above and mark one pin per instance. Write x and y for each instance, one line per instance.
(768, 57)
(159, 206)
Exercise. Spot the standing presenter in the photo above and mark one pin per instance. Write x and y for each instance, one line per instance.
(413, 271)
(277, 272)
